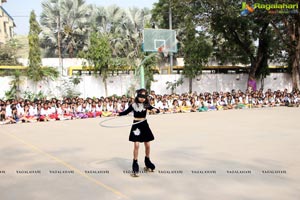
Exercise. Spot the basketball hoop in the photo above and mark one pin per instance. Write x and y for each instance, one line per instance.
(164, 50)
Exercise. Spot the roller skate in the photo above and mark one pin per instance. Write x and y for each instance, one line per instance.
(135, 169)
(149, 165)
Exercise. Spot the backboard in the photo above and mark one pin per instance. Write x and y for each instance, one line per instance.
(159, 40)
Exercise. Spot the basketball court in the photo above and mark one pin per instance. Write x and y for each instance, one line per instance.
(236, 155)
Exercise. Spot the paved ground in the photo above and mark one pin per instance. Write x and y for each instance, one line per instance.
(234, 155)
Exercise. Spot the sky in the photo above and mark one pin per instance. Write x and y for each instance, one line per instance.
(20, 10)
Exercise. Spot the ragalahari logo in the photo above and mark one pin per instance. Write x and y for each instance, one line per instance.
(271, 8)
(246, 9)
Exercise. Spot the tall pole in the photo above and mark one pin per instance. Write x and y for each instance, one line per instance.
(59, 44)
(142, 71)
(142, 76)
(170, 27)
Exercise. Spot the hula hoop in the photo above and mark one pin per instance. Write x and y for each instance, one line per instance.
(102, 123)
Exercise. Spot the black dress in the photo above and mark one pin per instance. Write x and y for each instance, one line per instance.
(140, 132)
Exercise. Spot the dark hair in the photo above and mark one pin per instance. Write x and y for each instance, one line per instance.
(140, 91)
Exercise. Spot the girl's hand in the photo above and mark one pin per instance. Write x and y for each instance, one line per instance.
(154, 110)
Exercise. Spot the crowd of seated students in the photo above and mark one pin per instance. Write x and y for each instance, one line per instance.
(224, 100)
(20, 111)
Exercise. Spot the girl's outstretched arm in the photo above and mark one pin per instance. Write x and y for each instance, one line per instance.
(153, 109)
(125, 112)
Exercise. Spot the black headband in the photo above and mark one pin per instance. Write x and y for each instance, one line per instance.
(142, 96)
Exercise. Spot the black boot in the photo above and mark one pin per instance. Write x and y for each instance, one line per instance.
(149, 165)
(135, 168)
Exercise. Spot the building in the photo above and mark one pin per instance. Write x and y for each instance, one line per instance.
(6, 24)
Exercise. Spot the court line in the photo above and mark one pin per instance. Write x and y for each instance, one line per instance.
(36, 149)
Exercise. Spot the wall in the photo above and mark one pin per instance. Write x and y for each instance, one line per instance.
(221, 82)
(92, 86)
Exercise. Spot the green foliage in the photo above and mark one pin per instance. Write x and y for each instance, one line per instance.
(68, 87)
(49, 72)
(287, 29)
(11, 94)
(6, 72)
(33, 96)
(119, 62)
(43, 73)
(75, 80)
(235, 38)
(248, 39)
(99, 54)
(69, 92)
(148, 71)
(35, 61)
(70, 19)
(174, 85)
(196, 50)
(14, 92)
(160, 14)
(35, 71)
(8, 52)
(196, 55)
(149, 61)
(181, 11)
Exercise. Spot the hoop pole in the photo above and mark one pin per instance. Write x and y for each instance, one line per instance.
(170, 27)
(142, 71)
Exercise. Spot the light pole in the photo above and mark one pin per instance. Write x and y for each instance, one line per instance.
(59, 44)
(170, 27)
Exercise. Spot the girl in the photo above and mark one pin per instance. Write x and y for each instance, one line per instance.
(140, 132)
(3, 118)
(28, 116)
(15, 118)
(175, 108)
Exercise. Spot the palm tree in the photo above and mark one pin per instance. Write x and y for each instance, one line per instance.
(107, 22)
(137, 20)
(133, 25)
(65, 24)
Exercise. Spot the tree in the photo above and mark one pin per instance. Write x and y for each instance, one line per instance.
(250, 35)
(236, 38)
(35, 72)
(68, 87)
(8, 52)
(14, 92)
(196, 51)
(34, 58)
(98, 55)
(127, 35)
(174, 85)
(160, 13)
(133, 25)
(195, 45)
(65, 25)
(149, 62)
(287, 27)
(107, 21)
(179, 10)
(124, 30)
